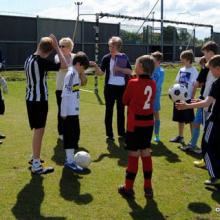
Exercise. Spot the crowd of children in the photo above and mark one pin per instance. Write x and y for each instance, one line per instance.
(140, 92)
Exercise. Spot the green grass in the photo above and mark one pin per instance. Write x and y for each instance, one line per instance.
(179, 190)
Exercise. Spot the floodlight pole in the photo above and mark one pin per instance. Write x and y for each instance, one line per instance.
(77, 20)
(161, 26)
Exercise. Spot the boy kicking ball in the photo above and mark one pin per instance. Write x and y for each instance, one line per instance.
(139, 97)
(211, 137)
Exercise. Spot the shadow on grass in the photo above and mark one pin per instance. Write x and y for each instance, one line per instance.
(160, 149)
(115, 151)
(150, 211)
(59, 153)
(29, 201)
(199, 207)
(215, 193)
(70, 188)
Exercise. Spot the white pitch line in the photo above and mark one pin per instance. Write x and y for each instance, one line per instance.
(86, 90)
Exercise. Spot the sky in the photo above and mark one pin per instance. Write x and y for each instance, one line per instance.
(197, 11)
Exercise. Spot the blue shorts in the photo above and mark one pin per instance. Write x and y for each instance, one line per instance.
(199, 116)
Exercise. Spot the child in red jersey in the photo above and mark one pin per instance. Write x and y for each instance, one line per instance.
(139, 97)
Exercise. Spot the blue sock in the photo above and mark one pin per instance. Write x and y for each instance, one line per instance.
(195, 136)
(157, 127)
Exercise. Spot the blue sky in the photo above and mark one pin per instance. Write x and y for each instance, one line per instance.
(186, 10)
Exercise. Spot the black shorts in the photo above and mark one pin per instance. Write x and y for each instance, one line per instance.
(71, 132)
(140, 139)
(183, 116)
(37, 114)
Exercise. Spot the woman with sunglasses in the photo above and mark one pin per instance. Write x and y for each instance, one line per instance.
(66, 45)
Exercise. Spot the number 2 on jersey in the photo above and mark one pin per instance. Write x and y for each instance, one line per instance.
(148, 92)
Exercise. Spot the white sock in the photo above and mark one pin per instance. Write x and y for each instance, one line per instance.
(36, 162)
(69, 155)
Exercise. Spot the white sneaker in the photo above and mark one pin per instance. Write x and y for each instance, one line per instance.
(60, 137)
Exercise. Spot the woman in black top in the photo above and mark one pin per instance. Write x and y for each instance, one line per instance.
(116, 67)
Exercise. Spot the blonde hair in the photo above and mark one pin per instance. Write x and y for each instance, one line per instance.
(115, 41)
(46, 44)
(67, 42)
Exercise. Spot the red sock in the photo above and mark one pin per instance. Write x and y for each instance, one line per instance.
(131, 172)
(147, 170)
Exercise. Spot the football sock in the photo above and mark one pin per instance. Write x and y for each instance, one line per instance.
(195, 136)
(147, 170)
(36, 162)
(131, 172)
(157, 127)
(69, 155)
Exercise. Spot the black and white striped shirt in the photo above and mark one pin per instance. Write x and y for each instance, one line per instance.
(36, 74)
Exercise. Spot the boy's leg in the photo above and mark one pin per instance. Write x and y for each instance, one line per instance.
(157, 126)
(179, 138)
(71, 134)
(37, 142)
(59, 118)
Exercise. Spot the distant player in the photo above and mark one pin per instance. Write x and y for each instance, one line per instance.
(158, 76)
(187, 76)
(211, 137)
(70, 108)
(139, 97)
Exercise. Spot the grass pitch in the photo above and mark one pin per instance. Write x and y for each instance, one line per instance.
(178, 186)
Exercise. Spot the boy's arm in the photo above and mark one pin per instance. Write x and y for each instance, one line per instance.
(63, 64)
(83, 79)
(201, 104)
(127, 94)
(98, 70)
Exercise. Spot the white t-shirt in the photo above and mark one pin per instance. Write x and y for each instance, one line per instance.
(115, 80)
(187, 76)
(70, 93)
(62, 72)
(208, 84)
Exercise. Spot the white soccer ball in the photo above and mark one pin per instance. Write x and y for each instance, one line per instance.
(178, 92)
(82, 158)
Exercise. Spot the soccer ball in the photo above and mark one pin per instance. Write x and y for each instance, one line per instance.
(178, 92)
(82, 159)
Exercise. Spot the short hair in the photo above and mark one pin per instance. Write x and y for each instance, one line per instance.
(214, 61)
(82, 58)
(157, 55)
(147, 62)
(67, 42)
(116, 41)
(45, 45)
(188, 55)
(210, 46)
(202, 60)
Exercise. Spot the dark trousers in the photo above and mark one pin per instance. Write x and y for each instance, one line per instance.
(71, 132)
(211, 148)
(114, 93)
(59, 118)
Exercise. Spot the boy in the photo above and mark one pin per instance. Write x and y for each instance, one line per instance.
(187, 76)
(211, 137)
(70, 108)
(158, 76)
(200, 83)
(209, 49)
(139, 97)
(36, 67)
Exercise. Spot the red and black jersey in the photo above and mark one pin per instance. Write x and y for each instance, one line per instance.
(139, 97)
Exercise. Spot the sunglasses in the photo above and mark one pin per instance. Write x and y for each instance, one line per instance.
(62, 46)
